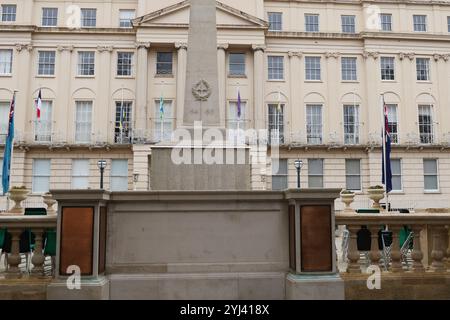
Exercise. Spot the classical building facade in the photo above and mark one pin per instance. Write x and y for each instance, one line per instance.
(312, 72)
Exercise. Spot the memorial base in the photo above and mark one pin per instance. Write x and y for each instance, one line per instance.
(95, 289)
(314, 287)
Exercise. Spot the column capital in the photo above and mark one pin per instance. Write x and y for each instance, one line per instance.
(23, 46)
(259, 47)
(332, 55)
(374, 55)
(438, 56)
(404, 55)
(104, 48)
(65, 48)
(181, 45)
(140, 45)
(222, 46)
(295, 54)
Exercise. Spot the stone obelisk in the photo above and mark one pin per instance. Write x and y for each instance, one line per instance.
(202, 83)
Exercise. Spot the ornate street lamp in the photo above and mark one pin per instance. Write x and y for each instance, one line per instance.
(298, 165)
(101, 165)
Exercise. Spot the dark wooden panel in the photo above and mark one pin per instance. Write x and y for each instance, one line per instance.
(102, 241)
(77, 239)
(292, 246)
(315, 224)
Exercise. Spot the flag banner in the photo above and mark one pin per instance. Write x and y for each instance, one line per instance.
(9, 144)
(239, 107)
(39, 105)
(161, 108)
(386, 161)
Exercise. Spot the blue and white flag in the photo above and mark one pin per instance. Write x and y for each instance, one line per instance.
(387, 172)
(9, 144)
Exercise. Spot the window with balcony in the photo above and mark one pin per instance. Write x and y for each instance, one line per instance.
(311, 22)
(275, 21)
(237, 64)
(119, 175)
(423, 69)
(86, 63)
(396, 169)
(80, 173)
(8, 12)
(83, 122)
(430, 172)
(41, 175)
(279, 174)
(386, 21)
(123, 130)
(420, 23)
(275, 67)
(348, 69)
(387, 68)
(6, 61)
(393, 122)
(315, 173)
(351, 124)
(312, 68)
(426, 130)
(164, 120)
(49, 17)
(124, 64)
(276, 123)
(234, 122)
(353, 174)
(314, 123)
(43, 126)
(164, 63)
(125, 17)
(88, 18)
(348, 24)
(46, 64)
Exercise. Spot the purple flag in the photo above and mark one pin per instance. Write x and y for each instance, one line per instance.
(239, 111)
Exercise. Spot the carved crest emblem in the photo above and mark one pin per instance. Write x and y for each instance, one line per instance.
(201, 91)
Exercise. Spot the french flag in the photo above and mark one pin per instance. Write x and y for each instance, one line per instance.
(39, 105)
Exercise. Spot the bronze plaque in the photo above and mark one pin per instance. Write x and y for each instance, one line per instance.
(316, 248)
(102, 241)
(77, 239)
(292, 247)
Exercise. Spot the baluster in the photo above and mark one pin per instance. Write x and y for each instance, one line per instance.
(396, 256)
(437, 254)
(374, 254)
(38, 257)
(14, 256)
(417, 254)
(353, 253)
(448, 247)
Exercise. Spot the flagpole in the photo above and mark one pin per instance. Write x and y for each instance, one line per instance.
(383, 145)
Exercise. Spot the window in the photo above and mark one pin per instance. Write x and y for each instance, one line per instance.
(448, 24)
(4, 121)
(122, 130)
(125, 17)
(119, 175)
(46, 64)
(164, 62)
(83, 122)
(386, 21)
(49, 17)
(41, 176)
(420, 23)
(80, 173)
(163, 120)
(423, 69)
(5, 61)
(43, 126)
(124, 64)
(276, 123)
(315, 173)
(275, 21)
(279, 174)
(393, 122)
(9, 12)
(311, 22)
(351, 124)
(430, 172)
(396, 169)
(314, 123)
(348, 65)
(312, 68)
(387, 68)
(86, 63)
(353, 174)
(426, 124)
(348, 24)
(237, 64)
(276, 68)
(88, 17)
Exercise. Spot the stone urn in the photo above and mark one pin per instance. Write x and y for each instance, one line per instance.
(50, 202)
(347, 197)
(376, 194)
(18, 195)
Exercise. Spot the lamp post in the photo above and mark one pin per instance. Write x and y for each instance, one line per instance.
(298, 165)
(101, 165)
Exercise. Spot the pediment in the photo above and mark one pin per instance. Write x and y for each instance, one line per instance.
(178, 15)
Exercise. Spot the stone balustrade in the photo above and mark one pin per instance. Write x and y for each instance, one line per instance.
(438, 223)
(16, 225)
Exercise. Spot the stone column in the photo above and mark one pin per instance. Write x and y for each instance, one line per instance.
(38, 257)
(353, 253)
(396, 256)
(222, 70)
(438, 254)
(14, 256)
(417, 254)
(374, 254)
(63, 96)
(141, 88)
(297, 124)
(181, 82)
(259, 80)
